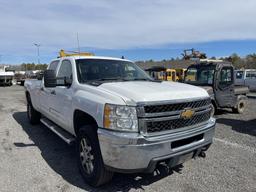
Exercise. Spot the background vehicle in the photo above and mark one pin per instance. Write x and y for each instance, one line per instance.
(6, 76)
(171, 75)
(193, 54)
(246, 77)
(161, 73)
(121, 119)
(218, 79)
(20, 77)
(180, 74)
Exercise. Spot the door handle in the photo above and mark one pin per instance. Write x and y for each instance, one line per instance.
(53, 92)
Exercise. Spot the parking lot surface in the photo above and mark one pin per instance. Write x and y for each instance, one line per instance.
(32, 158)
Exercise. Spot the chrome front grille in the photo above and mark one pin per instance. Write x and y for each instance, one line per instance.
(176, 106)
(157, 126)
(155, 118)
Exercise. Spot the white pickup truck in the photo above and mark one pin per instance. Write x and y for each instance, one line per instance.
(120, 118)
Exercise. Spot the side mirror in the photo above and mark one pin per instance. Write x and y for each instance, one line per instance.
(39, 76)
(50, 78)
(67, 81)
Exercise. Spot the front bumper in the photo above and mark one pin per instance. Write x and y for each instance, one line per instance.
(133, 152)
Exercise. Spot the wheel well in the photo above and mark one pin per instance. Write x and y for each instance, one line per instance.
(241, 97)
(81, 118)
(214, 103)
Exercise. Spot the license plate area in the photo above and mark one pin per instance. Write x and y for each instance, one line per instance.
(186, 141)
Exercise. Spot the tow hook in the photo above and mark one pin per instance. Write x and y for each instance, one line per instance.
(202, 154)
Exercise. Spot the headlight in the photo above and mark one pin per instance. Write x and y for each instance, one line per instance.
(118, 117)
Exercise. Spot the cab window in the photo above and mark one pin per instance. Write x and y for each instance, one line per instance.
(226, 76)
(65, 72)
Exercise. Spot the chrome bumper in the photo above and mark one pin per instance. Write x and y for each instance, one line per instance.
(133, 152)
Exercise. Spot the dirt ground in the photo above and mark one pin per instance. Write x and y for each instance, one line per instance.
(32, 158)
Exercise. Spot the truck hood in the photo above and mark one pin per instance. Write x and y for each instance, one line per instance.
(133, 92)
(209, 89)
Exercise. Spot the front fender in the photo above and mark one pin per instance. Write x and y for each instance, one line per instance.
(93, 104)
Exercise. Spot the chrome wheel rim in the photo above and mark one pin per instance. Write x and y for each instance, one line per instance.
(86, 156)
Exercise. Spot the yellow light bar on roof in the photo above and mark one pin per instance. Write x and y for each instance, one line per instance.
(64, 54)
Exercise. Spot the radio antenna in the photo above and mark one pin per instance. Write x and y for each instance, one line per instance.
(78, 44)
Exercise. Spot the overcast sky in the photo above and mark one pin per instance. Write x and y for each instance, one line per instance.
(123, 27)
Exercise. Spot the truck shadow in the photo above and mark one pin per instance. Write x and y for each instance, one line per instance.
(61, 158)
(223, 112)
(241, 126)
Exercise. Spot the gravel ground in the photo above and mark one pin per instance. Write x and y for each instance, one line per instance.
(32, 158)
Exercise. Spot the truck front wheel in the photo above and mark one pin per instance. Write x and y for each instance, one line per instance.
(89, 157)
(240, 106)
(33, 115)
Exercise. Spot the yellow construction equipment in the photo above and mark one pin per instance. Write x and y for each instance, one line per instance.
(191, 75)
(170, 75)
(62, 53)
(180, 74)
(161, 73)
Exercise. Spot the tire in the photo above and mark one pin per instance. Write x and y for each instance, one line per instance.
(89, 157)
(33, 115)
(240, 106)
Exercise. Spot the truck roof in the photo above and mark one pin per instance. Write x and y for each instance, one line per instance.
(84, 55)
(94, 57)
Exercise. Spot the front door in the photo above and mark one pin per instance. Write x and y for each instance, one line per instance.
(224, 87)
(62, 103)
(47, 95)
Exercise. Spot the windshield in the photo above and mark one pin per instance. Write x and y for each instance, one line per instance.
(99, 70)
(200, 76)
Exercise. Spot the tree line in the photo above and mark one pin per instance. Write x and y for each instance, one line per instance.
(247, 62)
(28, 67)
(32, 66)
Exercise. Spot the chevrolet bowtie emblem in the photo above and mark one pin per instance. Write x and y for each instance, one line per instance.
(187, 113)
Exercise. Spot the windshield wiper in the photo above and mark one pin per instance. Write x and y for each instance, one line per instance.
(123, 79)
(109, 79)
(138, 79)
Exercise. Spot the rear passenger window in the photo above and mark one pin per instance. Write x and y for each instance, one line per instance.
(53, 65)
